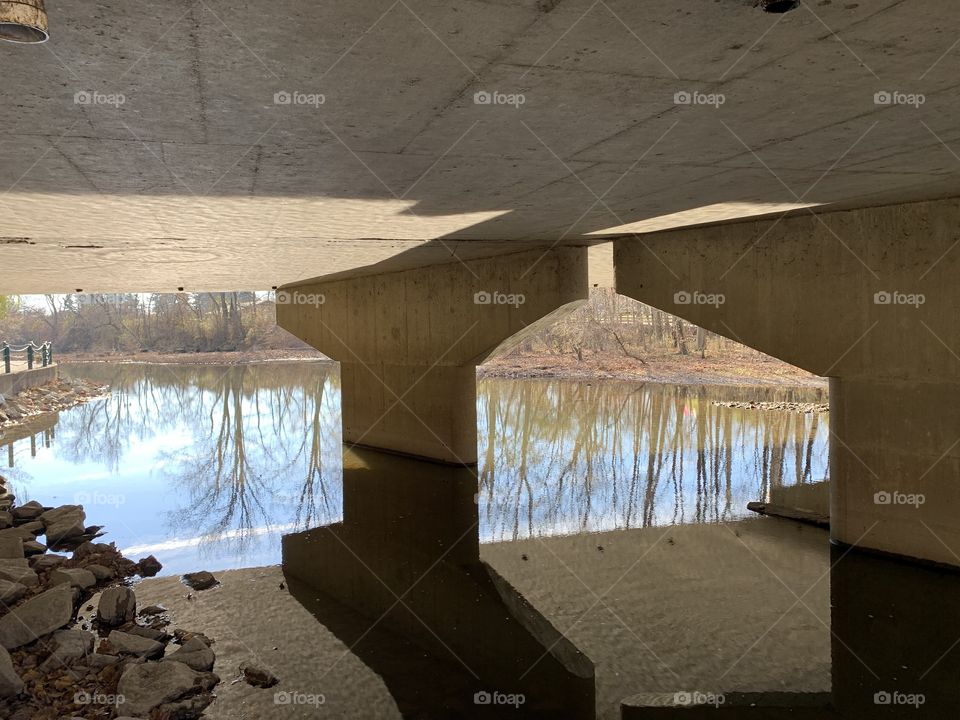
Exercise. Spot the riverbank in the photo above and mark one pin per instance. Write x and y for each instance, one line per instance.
(48, 398)
(741, 367)
(200, 358)
(745, 367)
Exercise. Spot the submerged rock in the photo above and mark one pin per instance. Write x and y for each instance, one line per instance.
(258, 676)
(202, 580)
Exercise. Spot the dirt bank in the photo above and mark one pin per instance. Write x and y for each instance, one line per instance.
(745, 367)
(200, 358)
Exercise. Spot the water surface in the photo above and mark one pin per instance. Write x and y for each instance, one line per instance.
(206, 466)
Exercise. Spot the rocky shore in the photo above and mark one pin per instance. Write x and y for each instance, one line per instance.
(74, 642)
(799, 407)
(51, 397)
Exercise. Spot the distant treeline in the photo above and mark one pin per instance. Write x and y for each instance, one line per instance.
(182, 322)
(609, 324)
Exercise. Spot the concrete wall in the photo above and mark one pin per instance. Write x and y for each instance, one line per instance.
(867, 297)
(17, 382)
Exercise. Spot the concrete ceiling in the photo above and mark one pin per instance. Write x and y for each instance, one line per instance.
(199, 179)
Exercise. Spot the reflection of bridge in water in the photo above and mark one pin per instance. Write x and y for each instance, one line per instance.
(40, 430)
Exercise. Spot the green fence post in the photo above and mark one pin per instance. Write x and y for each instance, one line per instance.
(30, 357)
(50, 352)
(6, 358)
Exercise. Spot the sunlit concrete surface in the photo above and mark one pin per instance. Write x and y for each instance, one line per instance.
(210, 145)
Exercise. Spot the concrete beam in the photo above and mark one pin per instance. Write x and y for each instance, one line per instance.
(409, 341)
(867, 297)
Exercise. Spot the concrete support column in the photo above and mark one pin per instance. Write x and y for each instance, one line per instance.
(408, 341)
(867, 297)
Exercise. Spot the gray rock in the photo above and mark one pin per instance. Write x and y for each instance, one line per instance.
(127, 644)
(21, 531)
(10, 592)
(101, 572)
(200, 580)
(38, 616)
(6, 519)
(28, 511)
(118, 605)
(100, 661)
(70, 645)
(64, 522)
(77, 577)
(47, 561)
(11, 547)
(10, 682)
(149, 566)
(258, 676)
(32, 547)
(195, 654)
(144, 686)
(18, 571)
(34, 527)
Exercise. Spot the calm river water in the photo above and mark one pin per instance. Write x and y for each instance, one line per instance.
(205, 466)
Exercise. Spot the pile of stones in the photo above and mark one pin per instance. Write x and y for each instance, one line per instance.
(50, 397)
(799, 407)
(73, 642)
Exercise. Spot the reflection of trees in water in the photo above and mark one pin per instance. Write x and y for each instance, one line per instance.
(257, 442)
(567, 457)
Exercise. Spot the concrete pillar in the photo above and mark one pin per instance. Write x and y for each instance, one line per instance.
(408, 341)
(867, 297)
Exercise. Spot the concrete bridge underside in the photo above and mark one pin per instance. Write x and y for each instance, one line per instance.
(406, 172)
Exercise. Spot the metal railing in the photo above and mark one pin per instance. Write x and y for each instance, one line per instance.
(30, 350)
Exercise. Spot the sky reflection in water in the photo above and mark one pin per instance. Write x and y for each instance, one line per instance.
(205, 466)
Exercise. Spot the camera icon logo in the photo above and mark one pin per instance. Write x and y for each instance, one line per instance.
(882, 698)
(882, 298)
(682, 97)
(682, 298)
(682, 698)
(883, 98)
(83, 97)
(283, 297)
(482, 298)
(482, 97)
(282, 98)
(281, 698)
(882, 498)
(482, 698)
